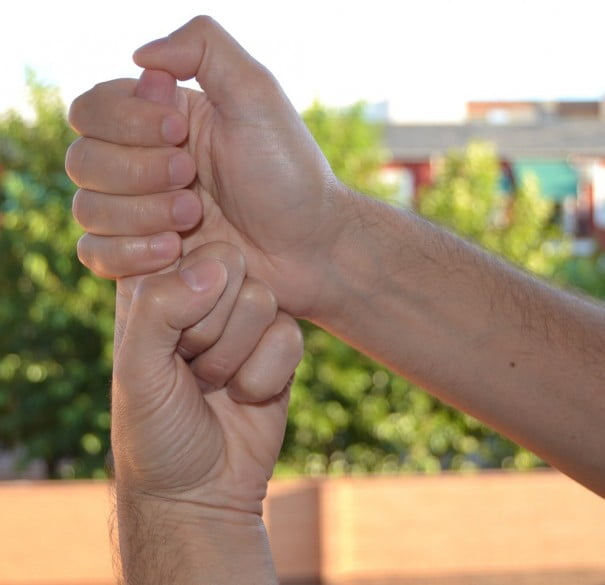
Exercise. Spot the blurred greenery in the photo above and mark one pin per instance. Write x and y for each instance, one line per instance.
(348, 415)
(352, 145)
(465, 198)
(55, 344)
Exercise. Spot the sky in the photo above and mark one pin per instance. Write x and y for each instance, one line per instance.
(425, 57)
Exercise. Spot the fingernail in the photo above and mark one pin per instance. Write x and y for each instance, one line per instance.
(186, 210)
(205, 275)
(164, 245)
(174, 129)
(180, 169)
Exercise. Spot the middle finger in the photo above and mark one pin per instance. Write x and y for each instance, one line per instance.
(112, 168)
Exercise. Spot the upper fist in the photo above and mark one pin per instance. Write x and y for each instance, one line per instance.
(238, 147)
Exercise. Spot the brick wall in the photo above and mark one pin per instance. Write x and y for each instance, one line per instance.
(486, 529)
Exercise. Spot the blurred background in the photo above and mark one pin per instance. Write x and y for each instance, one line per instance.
(486, 117)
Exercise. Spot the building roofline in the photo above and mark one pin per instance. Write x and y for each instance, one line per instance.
(554, 139)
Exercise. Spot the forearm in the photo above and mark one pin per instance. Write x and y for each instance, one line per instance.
(159, 542)
(523, 357)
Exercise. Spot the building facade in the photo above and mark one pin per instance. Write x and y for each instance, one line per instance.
(561, 144)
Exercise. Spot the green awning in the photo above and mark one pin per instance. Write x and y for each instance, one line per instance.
(557, 179)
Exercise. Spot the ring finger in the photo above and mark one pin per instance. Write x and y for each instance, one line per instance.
(142, 215)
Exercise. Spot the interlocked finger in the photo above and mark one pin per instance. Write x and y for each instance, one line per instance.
(269, 369)
(143, 215)
(206, 332)
(115, 257)
(254, 312)
(112, 168)
(111, 112)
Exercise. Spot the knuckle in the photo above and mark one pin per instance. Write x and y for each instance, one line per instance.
(203, 23)
(83, 250)
(148, 293)
(260, 82)
(98, 87)
(288, 335)
(79, 114)
(257, 297)
(265, 76)
(74, 159)
(82, 208)
(87, 250)
(73, 114)
(248, 389)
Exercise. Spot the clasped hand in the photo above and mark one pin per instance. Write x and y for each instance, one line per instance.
(167, 173)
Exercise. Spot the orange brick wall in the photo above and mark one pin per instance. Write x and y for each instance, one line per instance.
(451, 525)
(54, 533)
(475, 529)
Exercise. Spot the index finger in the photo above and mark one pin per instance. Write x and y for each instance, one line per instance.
(111, 112)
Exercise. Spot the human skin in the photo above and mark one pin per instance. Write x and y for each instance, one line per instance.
(477, 333)
(192, 463)
(195, 442)
(218, 351)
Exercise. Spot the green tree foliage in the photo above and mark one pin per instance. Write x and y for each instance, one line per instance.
(55, 341)
(584, 273)
(352, 145)
(465, 198)
(349, 414)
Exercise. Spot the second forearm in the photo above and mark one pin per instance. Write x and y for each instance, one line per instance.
(477, 333)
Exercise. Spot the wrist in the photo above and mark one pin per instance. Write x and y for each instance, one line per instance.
(191, 543)
(353, 262)
(214, 497)
(328, 263)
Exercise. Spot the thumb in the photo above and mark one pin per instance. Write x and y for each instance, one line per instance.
(163, 306)
(204, 50)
